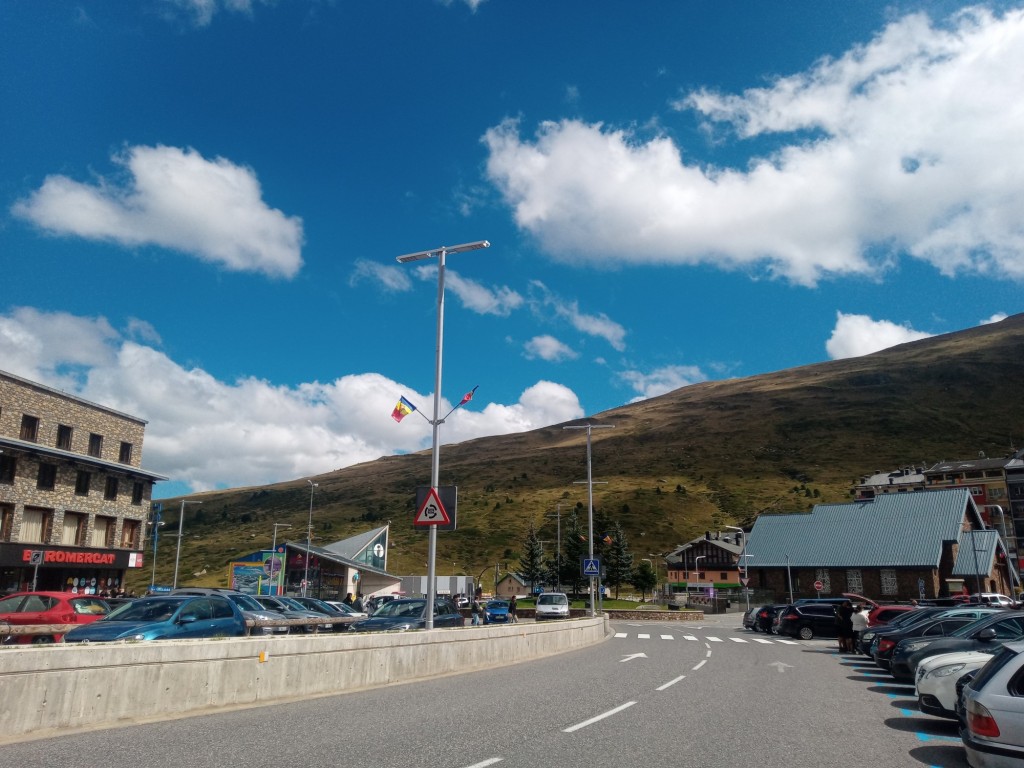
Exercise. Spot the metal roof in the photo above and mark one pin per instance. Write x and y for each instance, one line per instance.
(976, 553)
(353, 546)
(891, 530)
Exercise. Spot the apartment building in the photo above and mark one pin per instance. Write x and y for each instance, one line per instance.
(74, 498)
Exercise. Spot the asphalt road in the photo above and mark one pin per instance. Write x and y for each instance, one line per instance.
(655, 694)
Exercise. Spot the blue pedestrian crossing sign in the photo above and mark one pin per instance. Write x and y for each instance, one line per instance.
(591, 566)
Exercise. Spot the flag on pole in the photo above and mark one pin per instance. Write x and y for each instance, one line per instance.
(468, 396)
(402, 409)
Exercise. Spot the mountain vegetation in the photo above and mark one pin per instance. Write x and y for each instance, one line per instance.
(669, 468)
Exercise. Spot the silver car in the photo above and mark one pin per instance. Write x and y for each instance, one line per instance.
(552, 605)
(993, 707)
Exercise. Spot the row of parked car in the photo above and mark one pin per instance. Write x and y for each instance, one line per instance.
(965, 661)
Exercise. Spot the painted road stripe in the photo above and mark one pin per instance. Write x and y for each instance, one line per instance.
(670, 683)
(643, 636)
(689, 637)
(621, 634)
(737, 639)
(598, 718)
(715, 639)
(700, 664)
(668, 637)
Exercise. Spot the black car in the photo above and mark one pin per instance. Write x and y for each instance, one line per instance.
(409, 613)
(292, 610)
(341, 618)
(808, 620)
(1000, 627)
(936, 626)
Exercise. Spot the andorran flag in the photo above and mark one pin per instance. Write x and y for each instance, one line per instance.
(402, 409)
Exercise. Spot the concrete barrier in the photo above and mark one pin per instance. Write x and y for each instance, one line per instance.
(54, 689)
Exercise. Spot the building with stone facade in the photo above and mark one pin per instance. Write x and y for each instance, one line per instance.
(74, 498)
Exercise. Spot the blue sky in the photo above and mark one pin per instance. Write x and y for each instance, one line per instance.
(202, 201)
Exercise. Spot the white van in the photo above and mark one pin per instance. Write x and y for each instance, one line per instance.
(552, 605)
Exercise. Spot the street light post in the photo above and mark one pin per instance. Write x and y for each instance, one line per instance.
(435, 452)
(696, 563)
(590, 504)
(558, 552)
(273, 555)
(156, 527)
(177, 554)
(789, 578)
(309, 536)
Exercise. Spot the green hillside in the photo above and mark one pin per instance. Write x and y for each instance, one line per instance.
(704, 456)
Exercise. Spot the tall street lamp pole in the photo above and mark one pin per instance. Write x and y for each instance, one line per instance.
(558, 552)
(435, 423)
(789, 578)
(156, 535)
(177, 554)
(309, 537)
(275, 577)
(590, 505)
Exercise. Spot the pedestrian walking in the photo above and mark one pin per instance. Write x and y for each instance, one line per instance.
(477, 610)
(512, 610)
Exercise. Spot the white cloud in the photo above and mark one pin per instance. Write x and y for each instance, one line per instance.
(599, 325)
(385, 276)
(474, 296)
(175, 199)
(662, 380)
(856, 335)
(549, 348)
(909, 142)
(998, 317)
(208, 433)
(202, 11)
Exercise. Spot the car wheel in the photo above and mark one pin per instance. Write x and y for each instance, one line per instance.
(806, 633)
(42, 640)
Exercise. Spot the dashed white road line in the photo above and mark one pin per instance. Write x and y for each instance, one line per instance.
(670, 683)
(699, 665)
(598, 718)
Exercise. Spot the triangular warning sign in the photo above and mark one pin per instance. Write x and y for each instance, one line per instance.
(432, 511)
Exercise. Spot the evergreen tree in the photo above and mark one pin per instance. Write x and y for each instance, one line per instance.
(645, 578)
(575, 546)
(531, 561)
(618, 560)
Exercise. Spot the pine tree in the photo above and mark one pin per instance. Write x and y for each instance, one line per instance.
(531, 561)
(576, 548)
(618, 560)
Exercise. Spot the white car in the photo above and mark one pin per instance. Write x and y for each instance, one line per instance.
(993, 708)
(936, 680)
(552, 605)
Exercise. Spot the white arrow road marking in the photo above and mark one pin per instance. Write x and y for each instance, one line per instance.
(780, 666)
(632, 656)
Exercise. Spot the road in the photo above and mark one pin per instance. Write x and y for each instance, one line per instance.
(655, 694)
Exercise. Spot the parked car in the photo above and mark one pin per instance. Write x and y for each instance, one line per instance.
(341, 618)
(35, 608)
(993, 703)
(881, 615)
(247, 604)
(347, 609)
(292, 610)
(937, 626)
(552, 605)
(994, 598)
(808, 620)
(867, 636)
(999, 627)
(937, 677)
(408, 613)
(169, 617)
(496, 612)
(750, 618)
(766, 617)
(922, 615)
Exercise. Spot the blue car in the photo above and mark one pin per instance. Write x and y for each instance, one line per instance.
(172, 617)
(496, 612)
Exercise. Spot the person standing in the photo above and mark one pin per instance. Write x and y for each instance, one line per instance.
(844, 626)
(859, 623)
(477, 611)
(512, 610)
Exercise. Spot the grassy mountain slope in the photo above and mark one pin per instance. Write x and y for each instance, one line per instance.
(698, 458)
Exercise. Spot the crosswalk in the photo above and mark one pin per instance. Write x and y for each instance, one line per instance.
(706, 638)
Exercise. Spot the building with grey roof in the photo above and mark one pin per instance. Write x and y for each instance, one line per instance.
(891, 547)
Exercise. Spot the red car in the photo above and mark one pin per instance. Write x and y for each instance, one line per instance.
(27, 608)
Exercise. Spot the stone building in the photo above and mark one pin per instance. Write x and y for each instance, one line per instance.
(74, 499)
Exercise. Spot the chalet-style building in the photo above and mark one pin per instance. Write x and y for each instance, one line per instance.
(74, 498)
(892, 547)
(711, 561)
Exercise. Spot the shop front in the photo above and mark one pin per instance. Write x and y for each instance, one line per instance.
(80, 570)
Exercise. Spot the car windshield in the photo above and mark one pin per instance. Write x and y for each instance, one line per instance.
(341, 607)
(146, 609)
(497, 604)
(295, 605)
(247, 603)
(401, 608)
(552, 600)
(985, 621)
